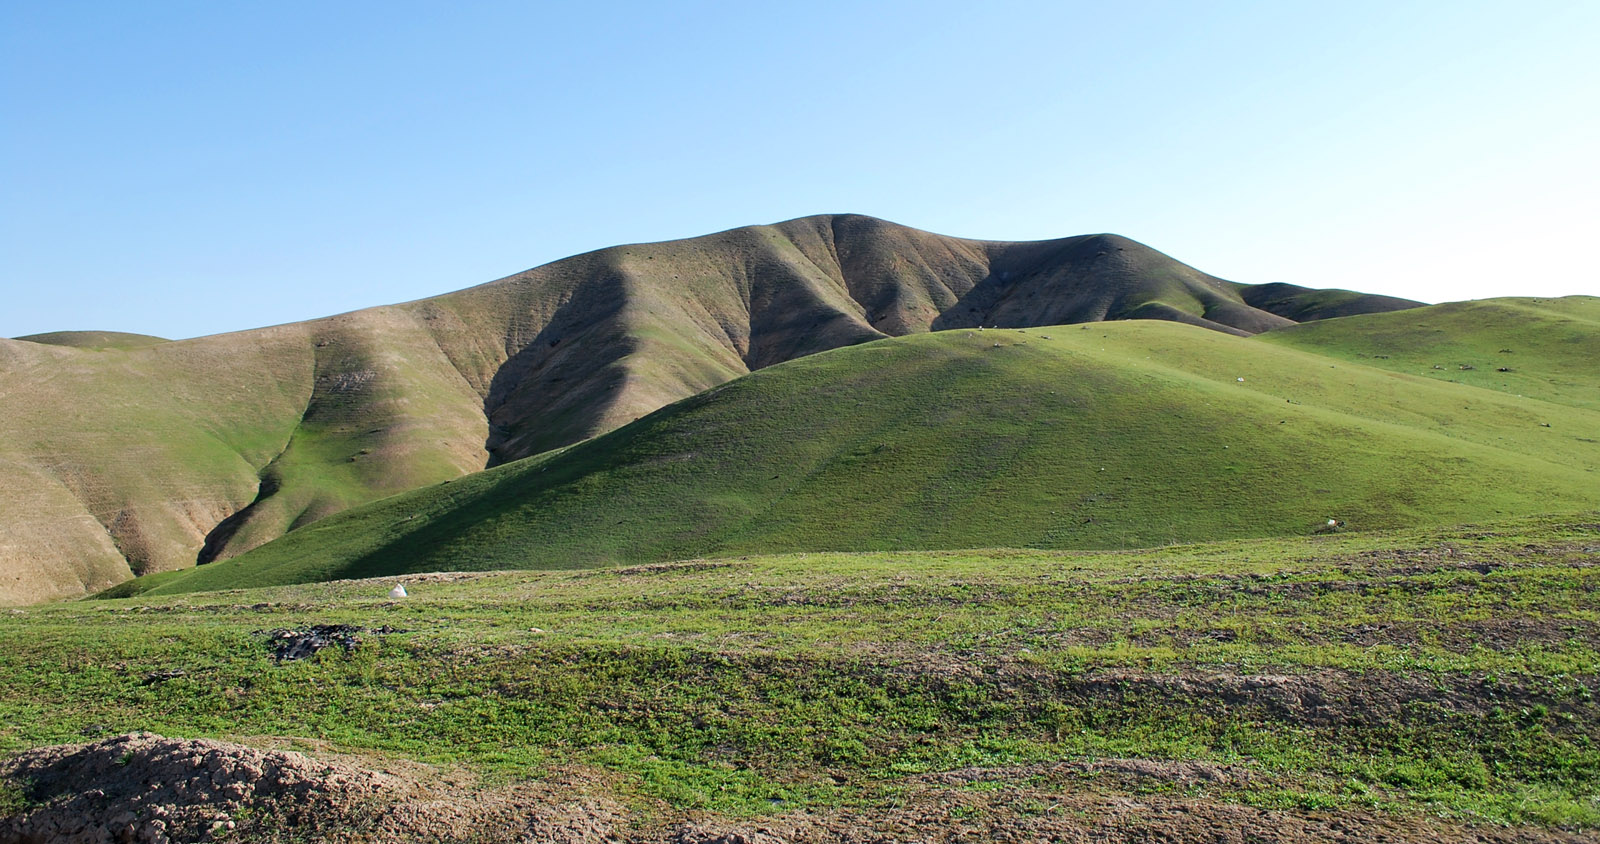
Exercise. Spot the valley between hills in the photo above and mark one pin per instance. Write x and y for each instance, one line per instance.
(830, 530)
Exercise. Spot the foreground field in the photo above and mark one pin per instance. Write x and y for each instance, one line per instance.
(1418, 685)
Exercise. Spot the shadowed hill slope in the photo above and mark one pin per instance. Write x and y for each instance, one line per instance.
(1121, 435)
(1304, 304)
(122, 455)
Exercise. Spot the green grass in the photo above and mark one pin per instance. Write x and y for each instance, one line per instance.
(95, 339)
(1115, 435)
(12, 800)
(1456, 668)
(1549, 346)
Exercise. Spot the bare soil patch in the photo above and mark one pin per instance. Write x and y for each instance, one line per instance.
(149, 789)
(145, 788)
(1022, 816)
(1327, 698)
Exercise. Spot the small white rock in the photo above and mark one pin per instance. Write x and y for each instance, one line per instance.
(399, 591)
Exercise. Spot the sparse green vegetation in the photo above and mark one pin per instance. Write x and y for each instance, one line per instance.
(12, 799)
(1446, 671)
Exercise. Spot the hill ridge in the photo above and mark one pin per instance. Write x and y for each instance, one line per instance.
(152, 449)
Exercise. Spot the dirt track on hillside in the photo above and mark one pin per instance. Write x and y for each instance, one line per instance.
(145, 788)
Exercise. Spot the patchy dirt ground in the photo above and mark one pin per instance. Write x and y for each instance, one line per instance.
(145, 788)
(148, 789)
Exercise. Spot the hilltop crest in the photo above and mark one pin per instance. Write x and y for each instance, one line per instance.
(165, 454)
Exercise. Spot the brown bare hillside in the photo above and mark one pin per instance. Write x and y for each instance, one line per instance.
(121, 458)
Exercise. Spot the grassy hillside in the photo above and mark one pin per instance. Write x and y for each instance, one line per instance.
(123, 454)
(1304, 304)
(118, 460)
(95, 339)
(1541, 348)
(1372, 681)
(1114, 435)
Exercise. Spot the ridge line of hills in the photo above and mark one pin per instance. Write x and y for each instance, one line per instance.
(125, 454)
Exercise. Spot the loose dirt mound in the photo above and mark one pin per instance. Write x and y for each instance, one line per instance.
(146, 789)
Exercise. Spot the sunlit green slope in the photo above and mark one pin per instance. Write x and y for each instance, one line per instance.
(1103, 436)
(1542, 348)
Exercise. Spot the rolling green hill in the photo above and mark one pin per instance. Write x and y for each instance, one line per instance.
(123, 455)
(1114, 435)
(95, 339)
(1542, 348)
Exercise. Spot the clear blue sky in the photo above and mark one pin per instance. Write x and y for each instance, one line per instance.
(183, 168)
